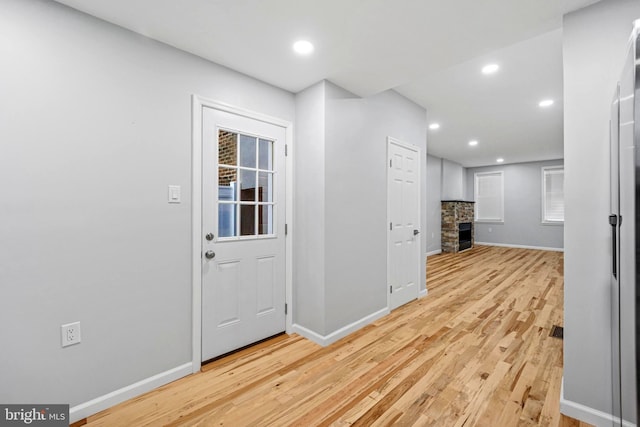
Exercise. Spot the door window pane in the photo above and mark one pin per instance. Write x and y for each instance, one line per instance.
(247, 151)
(227, 179)
(247, 185)
(265, 219)
(226, 220)
(227, 148)
(247, 220)
(265, 187)
(265, 154)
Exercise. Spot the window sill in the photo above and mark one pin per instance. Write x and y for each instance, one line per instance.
(552, 223)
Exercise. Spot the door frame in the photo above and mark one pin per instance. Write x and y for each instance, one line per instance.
(198, 103)
(394, 141)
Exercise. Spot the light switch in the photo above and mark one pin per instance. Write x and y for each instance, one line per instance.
(174, 194)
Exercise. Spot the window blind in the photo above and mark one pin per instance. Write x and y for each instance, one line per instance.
(489, 196)
(553, 195)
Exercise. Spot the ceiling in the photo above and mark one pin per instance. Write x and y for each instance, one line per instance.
(431, 51)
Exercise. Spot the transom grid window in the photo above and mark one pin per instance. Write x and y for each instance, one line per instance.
(245, 185)
(553, 195)
(489, 196)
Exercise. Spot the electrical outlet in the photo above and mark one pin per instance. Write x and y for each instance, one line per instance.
(70, 334)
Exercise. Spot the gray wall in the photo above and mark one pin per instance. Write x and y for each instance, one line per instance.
(309, 209)
(594, 42)
(96, 124)
(453, 180)
(345, 160)
(356, 198)
(446, 180)
(522, 208)
(434, 197)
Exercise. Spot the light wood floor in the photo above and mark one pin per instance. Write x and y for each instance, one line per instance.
(475, 351)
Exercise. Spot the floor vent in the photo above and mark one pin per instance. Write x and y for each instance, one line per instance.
(557, 332)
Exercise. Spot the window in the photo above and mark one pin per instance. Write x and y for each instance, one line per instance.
(489, 196)
(553, 195)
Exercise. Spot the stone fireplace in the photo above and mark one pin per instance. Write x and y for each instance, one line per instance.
(457, 225)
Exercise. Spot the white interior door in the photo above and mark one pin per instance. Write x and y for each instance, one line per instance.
(243, 224)
(403, 202)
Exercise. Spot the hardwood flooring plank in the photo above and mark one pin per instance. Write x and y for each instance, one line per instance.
(475, 351)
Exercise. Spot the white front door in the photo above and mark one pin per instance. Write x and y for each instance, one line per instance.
(404, 222)
(243, 227)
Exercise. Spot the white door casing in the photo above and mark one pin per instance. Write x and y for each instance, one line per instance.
(403, 207)
(241, 291)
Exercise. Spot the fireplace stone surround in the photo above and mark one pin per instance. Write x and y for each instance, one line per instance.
(454, 213)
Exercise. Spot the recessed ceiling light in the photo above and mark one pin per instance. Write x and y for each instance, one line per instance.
(473, 143)
(490, 68)
(546, 103)
(434, 126)
(303, 47)
(499, 160)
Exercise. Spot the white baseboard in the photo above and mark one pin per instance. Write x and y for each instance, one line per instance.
(507, 245)
(325, 340)
(587, 414)
(436, 252)
(101, 403)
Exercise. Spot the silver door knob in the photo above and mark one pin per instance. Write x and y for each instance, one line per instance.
(210, 255)
(209, 236)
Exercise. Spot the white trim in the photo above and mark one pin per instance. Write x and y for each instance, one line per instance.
(289, 221)
(421, 264)
(196, 232)
(108, 400)
(325, 340)
(198, 103)
(423, 292)
(436, 252)
(587, 414)
(508, 245)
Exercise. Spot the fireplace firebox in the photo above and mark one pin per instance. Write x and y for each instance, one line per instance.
(464, 236)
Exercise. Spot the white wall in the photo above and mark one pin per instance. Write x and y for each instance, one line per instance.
(434, 203)
(522, 208)
(95, 124)
(594, 41)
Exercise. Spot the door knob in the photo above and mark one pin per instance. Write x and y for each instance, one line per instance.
(210, 255)
(416, 232)
(209, 236)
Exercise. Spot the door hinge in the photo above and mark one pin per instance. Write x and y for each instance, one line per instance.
(390, 289)
(391, 226)
(286, 150)
(285, 308)
(286, 229)
(390, 163)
